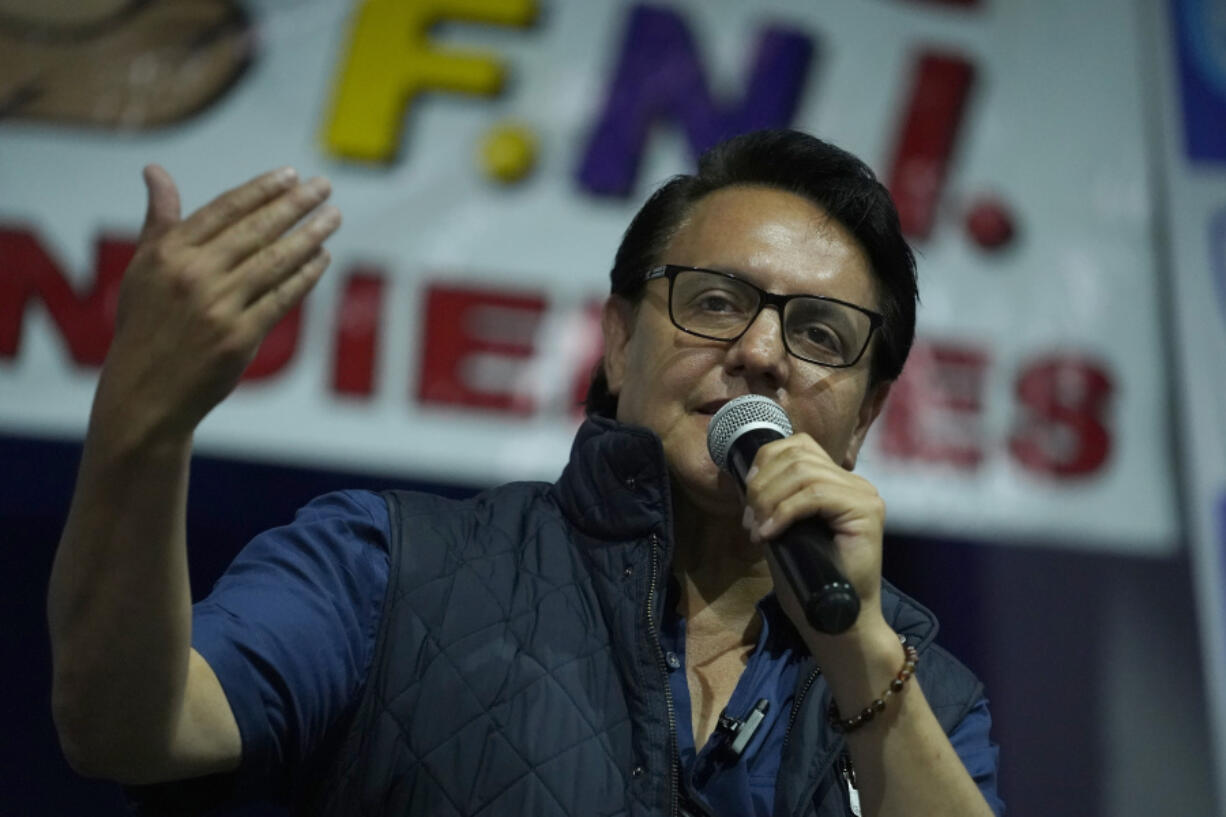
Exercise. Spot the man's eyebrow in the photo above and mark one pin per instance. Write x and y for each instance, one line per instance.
(748, 277)
(735, 272)
(751, 278)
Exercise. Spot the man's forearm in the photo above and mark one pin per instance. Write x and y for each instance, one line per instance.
(905, 765)
(119, 602)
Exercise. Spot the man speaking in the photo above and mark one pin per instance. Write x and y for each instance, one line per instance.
(626, 640)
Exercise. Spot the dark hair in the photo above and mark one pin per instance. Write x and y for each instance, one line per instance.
(833, 179)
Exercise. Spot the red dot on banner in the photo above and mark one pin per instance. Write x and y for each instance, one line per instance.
(989, 223)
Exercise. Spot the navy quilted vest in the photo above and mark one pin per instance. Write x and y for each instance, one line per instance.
(518, 668)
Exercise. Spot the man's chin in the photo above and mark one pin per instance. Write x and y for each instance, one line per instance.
(708, 489)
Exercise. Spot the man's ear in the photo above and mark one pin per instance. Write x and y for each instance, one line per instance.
(869, 409)
(616, 323)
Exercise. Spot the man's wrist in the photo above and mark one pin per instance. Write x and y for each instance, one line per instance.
(126, 429)
(860, 663)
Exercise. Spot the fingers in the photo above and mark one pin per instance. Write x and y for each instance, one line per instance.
(241, 242)
(838, 503)
(162, 210)
(270, 266)
(280, 299)
(232, 206)
(266, 225)
(795, 478)
(238, 248)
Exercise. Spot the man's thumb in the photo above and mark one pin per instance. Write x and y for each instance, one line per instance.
(162, 212)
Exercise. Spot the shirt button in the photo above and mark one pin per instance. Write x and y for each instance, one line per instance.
(637, 771)
(672, 660)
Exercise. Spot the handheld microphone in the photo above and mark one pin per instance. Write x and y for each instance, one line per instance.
(805, 551)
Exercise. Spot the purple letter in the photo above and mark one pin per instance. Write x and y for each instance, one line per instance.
(659, 78)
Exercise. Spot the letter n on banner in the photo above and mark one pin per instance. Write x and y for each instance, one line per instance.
(477, 345)
(659, 78)
(85, 321)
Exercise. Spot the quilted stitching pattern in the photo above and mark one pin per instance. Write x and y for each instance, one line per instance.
(504, 657)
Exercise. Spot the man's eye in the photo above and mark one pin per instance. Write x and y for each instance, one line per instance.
(820, 336)
(716, 302)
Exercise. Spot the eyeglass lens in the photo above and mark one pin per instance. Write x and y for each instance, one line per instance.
(722, 308)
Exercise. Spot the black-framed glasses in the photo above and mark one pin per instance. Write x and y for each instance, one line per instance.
(721, 306)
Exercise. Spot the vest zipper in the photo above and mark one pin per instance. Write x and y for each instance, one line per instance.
(796, 702)
(674, 763)
(795, 713)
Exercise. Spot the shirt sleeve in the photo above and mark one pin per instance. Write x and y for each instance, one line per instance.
(981, 757)
(289, 629)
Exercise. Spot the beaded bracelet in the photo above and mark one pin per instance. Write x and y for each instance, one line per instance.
(904, 674)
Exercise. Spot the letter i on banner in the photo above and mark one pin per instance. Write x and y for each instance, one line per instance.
(355, 350)
(928, 137)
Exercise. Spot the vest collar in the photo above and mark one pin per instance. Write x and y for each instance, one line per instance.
(616, 485)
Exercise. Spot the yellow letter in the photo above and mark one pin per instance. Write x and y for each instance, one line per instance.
(390, 60)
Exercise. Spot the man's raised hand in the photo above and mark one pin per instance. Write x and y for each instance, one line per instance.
(132, 701)
(201, 294)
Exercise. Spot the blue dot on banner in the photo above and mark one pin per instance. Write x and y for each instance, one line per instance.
(1200, 39)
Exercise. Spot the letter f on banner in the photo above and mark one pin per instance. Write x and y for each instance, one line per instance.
(391, 60)
(659, 77)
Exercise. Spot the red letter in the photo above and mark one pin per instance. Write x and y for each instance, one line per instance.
(933, 410)
(476, 343)
(1062, 431)
(357, 333)
(930, 130)
(278, 347)
(85, 321)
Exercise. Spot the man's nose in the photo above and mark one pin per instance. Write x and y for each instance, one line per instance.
(761, 350)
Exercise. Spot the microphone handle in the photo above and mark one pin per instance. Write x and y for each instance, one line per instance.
(805, 551)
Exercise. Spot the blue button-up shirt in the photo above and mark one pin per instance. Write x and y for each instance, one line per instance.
(736, 786)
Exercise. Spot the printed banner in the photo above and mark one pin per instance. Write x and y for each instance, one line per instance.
(487, 157)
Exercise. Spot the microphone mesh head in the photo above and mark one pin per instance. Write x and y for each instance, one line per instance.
(739, 415)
